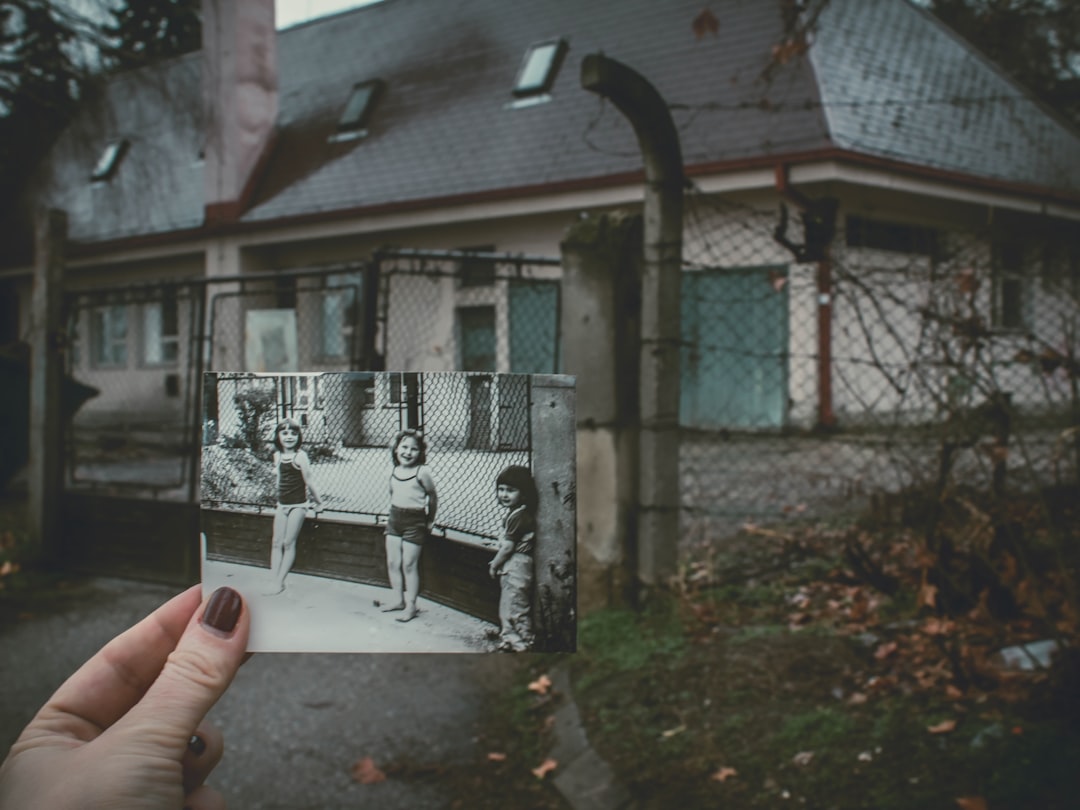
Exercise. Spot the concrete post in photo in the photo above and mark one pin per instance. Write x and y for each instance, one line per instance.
(554, 559)
(599, 341)
(46, 373)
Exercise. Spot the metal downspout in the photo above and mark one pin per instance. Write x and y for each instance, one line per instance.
(658, 442)
(821, 253)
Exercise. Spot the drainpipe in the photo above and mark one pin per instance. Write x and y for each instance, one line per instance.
(660, 288)
(819, 220)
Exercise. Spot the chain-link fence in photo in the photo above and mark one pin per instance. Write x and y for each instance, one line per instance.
(473, 425)
(891, 357)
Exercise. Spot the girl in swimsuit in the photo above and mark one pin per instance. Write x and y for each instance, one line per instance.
(294, 482)
(413, 503)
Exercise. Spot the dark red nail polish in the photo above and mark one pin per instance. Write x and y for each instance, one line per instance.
(223, 610)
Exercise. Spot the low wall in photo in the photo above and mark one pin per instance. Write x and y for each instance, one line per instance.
(451, 573)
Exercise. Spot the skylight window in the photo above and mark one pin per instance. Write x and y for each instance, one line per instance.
(539, 68)
(109, 161)
(357, 112)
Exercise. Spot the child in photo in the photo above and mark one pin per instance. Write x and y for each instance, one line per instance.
(413, 504)
(294, 482)
(512, 564)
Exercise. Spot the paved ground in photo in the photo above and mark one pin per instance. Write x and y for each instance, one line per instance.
(294, 724)
(317, 614)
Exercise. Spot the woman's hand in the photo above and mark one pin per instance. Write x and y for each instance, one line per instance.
(126, 730)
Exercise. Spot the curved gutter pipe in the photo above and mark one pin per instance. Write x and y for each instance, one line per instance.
(658, 392)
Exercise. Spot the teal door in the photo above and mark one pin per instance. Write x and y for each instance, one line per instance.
(735, 348)
(534, 326)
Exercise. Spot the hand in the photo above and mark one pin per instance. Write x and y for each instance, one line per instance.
(121, 732)
(493, 571)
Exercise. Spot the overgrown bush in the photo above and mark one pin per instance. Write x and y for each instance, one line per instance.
(256, 407)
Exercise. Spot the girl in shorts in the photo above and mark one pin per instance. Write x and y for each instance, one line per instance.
(413, 503)
(293, 471)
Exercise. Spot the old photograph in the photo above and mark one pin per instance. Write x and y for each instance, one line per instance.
(391, 511)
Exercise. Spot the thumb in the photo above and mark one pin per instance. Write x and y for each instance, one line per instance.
(195, 675)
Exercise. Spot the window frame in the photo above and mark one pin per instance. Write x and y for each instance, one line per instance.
(1007, 273)
(355, 126)
(548, 74)
(101, 337)
(109, 161)
(165, 340)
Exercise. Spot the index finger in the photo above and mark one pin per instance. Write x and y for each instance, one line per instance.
(104, 688)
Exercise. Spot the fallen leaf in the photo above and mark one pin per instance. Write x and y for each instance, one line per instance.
(953, 693)
(885, 650)
(972, 803)
(496, 756)
(671, 732)
(366, 772)
(857, 698)
(723, 774)
(928, 595)
(803, 758)
(544, 768)
(541, 685)
(944, 727)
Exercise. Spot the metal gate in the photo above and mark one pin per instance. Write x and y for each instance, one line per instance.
(131, 478)
(130, 503)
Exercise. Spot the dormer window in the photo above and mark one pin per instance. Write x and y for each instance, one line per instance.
(109, 161)
(539, 68)
(358, 109)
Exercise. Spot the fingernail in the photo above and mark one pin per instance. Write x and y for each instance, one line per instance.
(196, 745)
(223, 610)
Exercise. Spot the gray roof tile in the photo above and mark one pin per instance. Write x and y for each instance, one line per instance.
(882, 78)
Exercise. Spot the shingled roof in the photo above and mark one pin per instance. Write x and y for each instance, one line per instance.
(882, 78)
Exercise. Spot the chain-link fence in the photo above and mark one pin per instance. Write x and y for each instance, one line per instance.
(907, 356)
(317, 319)
(469, 311)
(137, 347)
(474, 425)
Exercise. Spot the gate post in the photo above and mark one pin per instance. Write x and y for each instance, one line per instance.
(555, 599)
(661, 278)
(599, 335)
(46, 372)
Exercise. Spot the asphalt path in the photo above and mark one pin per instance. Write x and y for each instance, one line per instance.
(294, 723)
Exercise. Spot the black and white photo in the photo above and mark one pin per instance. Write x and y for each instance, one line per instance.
(393, 511)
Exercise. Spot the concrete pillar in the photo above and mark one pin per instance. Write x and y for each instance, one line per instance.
(553, 439)
(46, 374)
(658, 439)
(599, 338)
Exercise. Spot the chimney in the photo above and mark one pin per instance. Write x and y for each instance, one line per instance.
(240, 101)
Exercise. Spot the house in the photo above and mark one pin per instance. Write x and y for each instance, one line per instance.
(240, 195)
